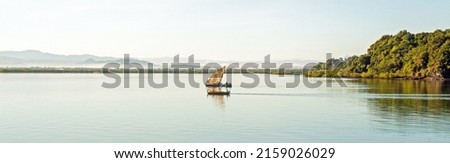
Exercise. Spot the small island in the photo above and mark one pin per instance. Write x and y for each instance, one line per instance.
(404, 55)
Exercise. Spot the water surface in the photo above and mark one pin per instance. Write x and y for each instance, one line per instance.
(75, 108)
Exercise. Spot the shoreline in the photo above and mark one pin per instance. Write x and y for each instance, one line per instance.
(83, 70)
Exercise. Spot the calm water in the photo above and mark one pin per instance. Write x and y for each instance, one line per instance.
(75, 108)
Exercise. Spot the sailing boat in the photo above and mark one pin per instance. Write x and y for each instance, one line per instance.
(214, 83)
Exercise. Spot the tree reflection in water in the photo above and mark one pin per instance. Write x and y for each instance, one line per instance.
(409, 105)
(405, 97)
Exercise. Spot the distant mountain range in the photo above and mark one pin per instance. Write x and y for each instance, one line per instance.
(35, 58)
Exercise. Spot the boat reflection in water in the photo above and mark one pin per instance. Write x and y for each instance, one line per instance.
(214, 85)
(219, 100)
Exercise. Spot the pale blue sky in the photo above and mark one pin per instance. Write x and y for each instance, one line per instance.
(225, 30)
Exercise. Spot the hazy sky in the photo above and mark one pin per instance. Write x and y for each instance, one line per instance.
(221, 29)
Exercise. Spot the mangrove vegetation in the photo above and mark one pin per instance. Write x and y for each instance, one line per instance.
(404, 55)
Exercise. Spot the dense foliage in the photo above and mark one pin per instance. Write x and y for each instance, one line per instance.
(404, 55)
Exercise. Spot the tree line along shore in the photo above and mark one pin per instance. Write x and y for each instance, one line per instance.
(404, 55)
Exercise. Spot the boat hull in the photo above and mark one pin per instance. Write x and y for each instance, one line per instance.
(218, 90)
(219, 93)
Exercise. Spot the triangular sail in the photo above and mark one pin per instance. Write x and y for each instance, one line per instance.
(216, 78)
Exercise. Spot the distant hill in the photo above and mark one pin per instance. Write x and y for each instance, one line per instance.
(35, 58)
